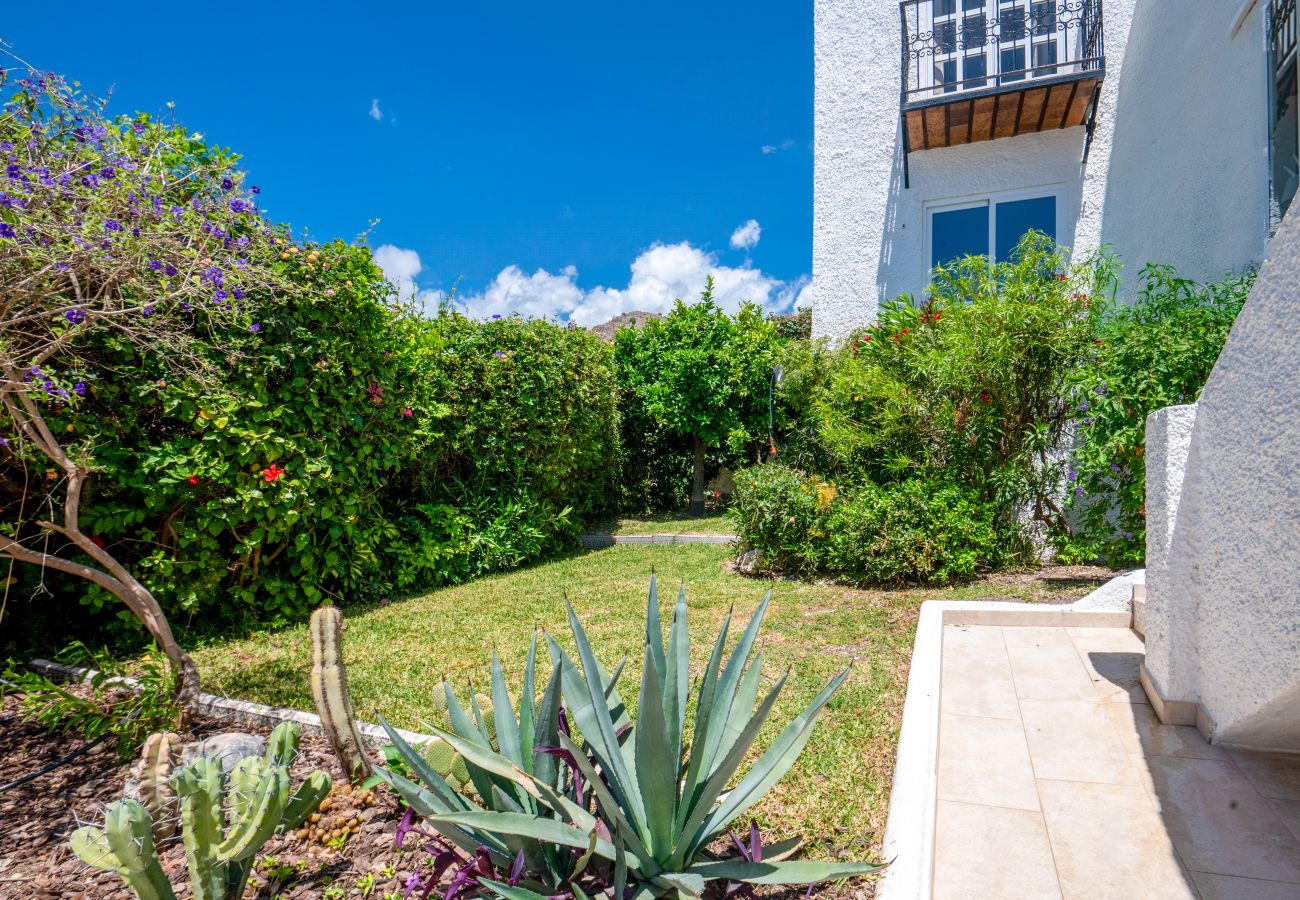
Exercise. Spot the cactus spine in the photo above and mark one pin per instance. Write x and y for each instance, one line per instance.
(329, 689)
(218, 854)
(159, 758)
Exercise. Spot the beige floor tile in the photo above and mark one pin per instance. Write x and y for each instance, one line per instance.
(985, 761)
(1074, 740)
(973, 641)
(1219, 823)
(978, 686)
(1274, 775)
(1141, 732)
(1121, 640)
(1036, 637)
(1114, 674)
(1228, 887)
(1289, 812)
(982, 852)
(1051, 673)
(1109, 843)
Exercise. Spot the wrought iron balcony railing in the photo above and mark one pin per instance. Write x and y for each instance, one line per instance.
(976, 70)
(952, 46)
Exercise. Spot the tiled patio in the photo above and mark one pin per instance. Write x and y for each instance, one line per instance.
(1055, 779)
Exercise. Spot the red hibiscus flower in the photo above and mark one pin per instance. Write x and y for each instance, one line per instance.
(272, 473)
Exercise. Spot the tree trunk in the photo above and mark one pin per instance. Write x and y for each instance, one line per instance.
(697, 489)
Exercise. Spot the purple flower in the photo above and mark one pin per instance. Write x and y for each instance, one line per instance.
(112, 225)
(1128, 535)
(1083, 407)
(155, 265)
(170, 270)
(496, 316)
(239, 206)
(1072, 475)
(107, 172)
(499, 355)
(138, 127)
(1078, 492)
(75, 316)
(255, 327)
(147, 311)
(256, 189)
(185, 305)
(1087, 421)
(227, 184)
(238, 293)
(6, 230)
(1114, 468)
(79, 389)
(13, 170)
(3, 442)
(1100, 389)
(6, 146)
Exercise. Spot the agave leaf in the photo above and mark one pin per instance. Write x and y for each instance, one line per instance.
(654, 636)
(801, 871)
(503, 713)
(771, 766)
(618, 821)
(425, 804)
(466, 730)
(415, 761)
(525, 825)
(571, 812)
(490, 763)
(702, 805)
(593, 717)
(527, 709)
(511, 892)
(725, 695)
(704, 710)
(656, 769)
(676, 678)
(544, 766)
(743, 705)
(781, 849)
(687, 884)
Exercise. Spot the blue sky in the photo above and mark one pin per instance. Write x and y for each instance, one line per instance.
(576, 158)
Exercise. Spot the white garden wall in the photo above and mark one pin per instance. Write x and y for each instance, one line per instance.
(1223, 601)
(1178, 169)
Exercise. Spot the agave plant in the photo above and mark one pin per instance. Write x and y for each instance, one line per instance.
(521, 813)
(647, 805)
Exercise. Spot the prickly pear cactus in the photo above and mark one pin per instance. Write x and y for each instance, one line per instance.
(329, 689)
(160, 756)
(447, 763)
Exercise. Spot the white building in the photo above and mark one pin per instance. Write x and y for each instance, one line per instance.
(1165, 128)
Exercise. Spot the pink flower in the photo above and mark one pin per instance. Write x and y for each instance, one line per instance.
(407, 413)
(272, 473)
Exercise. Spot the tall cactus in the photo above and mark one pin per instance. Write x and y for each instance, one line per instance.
(219, 851)
(160, 756)
(329, 688)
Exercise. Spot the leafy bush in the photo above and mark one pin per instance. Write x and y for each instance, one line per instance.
(658, 787)
(916, 530)
(966, 387)
(1158, 352)
(783, 513)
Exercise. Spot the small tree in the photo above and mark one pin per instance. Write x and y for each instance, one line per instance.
(702, 374)
(125, 230)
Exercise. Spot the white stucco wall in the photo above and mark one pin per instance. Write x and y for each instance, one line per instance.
(1177, 171)
(1224, 621)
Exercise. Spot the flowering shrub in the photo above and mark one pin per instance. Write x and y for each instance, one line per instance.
(914, 530)
(1155, 353)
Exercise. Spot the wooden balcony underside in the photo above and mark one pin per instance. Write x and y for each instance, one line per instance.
(957, 119)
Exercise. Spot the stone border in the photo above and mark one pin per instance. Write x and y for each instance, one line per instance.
(908, 844)
(239, 710)
(598, 541)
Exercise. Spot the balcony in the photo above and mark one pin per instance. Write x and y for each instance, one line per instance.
(978, 70)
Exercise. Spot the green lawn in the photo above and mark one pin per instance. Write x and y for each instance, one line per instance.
(667, 523)
(835, 796)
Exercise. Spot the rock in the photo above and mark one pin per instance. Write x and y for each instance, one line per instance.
(748, 561)
(230, 748)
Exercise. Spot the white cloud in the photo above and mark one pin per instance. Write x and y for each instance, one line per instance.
(657, 278)
(769, 149)
(375, 112)
(746, 236)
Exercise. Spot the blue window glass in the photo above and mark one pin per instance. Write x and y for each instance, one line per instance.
(957, 233)
(1015, 217)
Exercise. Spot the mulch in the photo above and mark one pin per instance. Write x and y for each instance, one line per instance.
(36, 818)
(36, 862)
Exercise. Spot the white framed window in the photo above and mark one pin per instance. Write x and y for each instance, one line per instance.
(991, 224)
